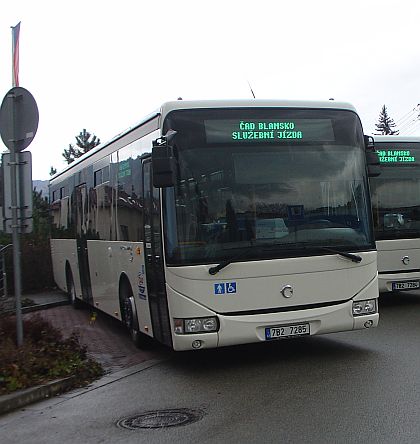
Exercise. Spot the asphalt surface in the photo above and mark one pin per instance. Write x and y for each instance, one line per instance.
(347, 387)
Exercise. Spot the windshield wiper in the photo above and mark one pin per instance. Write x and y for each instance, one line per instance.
(353, 257)
(225, 263)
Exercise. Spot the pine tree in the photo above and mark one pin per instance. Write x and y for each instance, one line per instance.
(385, 124)
(83, 146)
(70, 154)
(83, 142)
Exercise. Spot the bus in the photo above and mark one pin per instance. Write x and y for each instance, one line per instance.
(396, 212)
(215, 223)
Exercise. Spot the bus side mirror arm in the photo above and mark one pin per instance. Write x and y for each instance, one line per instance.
(372, 158)
(164, 163)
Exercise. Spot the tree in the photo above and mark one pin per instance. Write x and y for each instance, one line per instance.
(385, 124)
(70, 154)
(36, 263)
(53, 171)
(40, 215)
(84, 144)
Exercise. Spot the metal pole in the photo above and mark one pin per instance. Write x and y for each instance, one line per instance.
(14, 157)
(3, 259)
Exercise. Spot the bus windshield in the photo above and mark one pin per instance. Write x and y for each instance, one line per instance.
(285, 182)
(396, 192)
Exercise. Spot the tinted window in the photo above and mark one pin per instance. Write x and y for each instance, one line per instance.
(295, 194)
(396, 192)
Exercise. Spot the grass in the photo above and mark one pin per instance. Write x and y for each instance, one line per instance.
(44, 356)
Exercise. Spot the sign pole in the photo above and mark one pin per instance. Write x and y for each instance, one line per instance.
(15, 227)
(18, 125)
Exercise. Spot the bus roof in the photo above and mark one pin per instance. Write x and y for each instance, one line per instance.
(252, 103)
(398, 139)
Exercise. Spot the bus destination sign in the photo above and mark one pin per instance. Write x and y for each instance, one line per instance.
(396, 156)
(264, 130)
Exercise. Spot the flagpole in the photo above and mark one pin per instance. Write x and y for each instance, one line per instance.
(13, 58)
(15, 54)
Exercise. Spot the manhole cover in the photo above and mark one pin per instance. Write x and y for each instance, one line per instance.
(158, 419)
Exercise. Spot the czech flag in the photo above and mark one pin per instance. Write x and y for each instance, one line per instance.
(15, 53)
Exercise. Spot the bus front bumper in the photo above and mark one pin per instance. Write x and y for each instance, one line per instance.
(246, 329)
(387, 281)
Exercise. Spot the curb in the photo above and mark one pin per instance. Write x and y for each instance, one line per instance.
(44, 306)
(37, 307)
(24, 397)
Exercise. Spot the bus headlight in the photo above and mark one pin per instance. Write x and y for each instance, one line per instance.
(196, 325)
(361, 308)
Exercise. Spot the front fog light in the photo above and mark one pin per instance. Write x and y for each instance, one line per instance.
(361, 308)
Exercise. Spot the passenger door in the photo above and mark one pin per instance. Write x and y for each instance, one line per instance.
(155, 276)
(81, 212)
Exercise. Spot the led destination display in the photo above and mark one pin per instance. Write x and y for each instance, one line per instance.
(271, 131)
(396, 155)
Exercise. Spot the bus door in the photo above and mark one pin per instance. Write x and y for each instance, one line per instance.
(154, 260)
(82, 220)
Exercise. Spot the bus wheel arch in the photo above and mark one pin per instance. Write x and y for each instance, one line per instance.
(129, 312)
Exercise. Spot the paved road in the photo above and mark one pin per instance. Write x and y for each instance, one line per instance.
(343, 388)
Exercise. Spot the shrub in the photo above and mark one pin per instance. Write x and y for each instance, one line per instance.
(44, 356)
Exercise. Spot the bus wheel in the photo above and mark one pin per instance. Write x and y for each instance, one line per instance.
(129, 316)
(71, 290)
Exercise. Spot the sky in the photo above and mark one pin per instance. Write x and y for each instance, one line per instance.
(103, 65)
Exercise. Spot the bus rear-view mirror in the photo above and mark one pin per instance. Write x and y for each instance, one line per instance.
(372, 158)
(164, 165)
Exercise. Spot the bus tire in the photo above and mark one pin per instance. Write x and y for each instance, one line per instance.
(71, 290)
(129, 315)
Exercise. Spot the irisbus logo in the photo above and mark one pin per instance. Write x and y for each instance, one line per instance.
(287, 291)
(405, 260)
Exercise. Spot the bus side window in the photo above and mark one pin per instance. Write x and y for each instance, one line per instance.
(129, 207)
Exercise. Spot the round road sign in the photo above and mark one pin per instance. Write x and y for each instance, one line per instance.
(18, 119)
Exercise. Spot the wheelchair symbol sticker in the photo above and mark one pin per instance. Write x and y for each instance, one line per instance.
(231, 287)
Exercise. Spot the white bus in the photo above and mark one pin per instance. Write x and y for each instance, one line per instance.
(396, 212)
(214, 223)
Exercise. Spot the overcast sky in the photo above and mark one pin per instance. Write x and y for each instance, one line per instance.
(104, 65)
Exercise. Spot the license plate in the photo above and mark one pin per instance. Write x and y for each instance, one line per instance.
(286, 331)
(405, 285)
